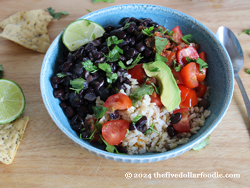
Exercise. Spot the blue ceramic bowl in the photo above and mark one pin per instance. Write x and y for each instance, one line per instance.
(219, 77)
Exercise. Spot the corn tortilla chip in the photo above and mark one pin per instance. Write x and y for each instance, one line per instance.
(10, 137)
(28, 28)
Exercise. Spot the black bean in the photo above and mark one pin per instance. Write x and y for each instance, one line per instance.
(143, 128)
(133, 19)
(65, 97)
(73, 120)
(77, 127)
(57, 80)
(85, 74)
(96, 42)
(66, 81)
(112, 46)
(120, 79)
(114, 115)
(67, 66)
(90, 96)
(153, 24)
(124, 43)
(90, 55)
(132, 126)
(97, 84)
(89, 78)
(140, 37)
(69, 112)
(132, 41)
(176, 118)
(81, 50)
(121, 71)
(147, 52)
(63, 105)
(130, 53)
(125, 21)
(97, 55)
(103, 93)
(104, 50)
(84, 134)
(126, 81)
(204, 103)
(58, 93)
(113, 66)
(60, 62)
(108, 28)
(90, 107)
(78, 69)
(89, 47)
(120, 34)
(121, 86)
(55, 86)
(82, 110)
(121, 149)
(171, 131)
(80, 118)
(123, 58)
(140, 47)
(131, 28)
(141, 121)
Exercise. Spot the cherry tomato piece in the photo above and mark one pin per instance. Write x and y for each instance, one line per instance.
(203, 56)
(115, 131)
(190, 101)
(200, 75)
(190, 52)
(178, 77)
(183, 125)
(189, 75)
(196, 46)
(201, 90)
(156, 98)
(169, 55)
(184, 92)
(177, 34)
(138, 73)
(117, 101)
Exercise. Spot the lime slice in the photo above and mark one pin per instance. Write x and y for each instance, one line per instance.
(81, 32)
(12, 101)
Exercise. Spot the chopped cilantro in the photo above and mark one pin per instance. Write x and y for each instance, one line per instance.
(246, 31)
(170, 33)
(162, 31)
(88, 65)
(147, 31)
(137, 118)
(82, 129)
(155, 69)
(81, 136)
(107, 1)
(99, 111)
(151, 128)
(91, 136)
(160, 44)
(60, 75)
(127, 133)
(113, 40)
(110, 148)
(171, 38)
(114, 55)
(135, 62)
(140, 92)
(248, 71)
(77, 84)
(111, 77)
(199, 61)
(56, 15)
(105, 67)
(177, 67)
(201, 145)
(88, 10)
(188, 37)
(1, 71)
(156, 88)
(127, 24)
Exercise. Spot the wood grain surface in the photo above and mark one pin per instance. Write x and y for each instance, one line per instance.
(47, 158)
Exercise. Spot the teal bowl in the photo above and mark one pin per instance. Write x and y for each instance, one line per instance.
(219, 77)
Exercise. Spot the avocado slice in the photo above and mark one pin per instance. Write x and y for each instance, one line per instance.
(169, 91)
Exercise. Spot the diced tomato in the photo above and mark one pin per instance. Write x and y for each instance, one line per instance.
(190, 101)
(203, 56)
(186, 52)
(201, 90)
(196, 46)
(95, 137)
(183, 125)
(156, 98)
(152, 80)
(115, 131)
(178, 77)
(177, 34)
(184, 92)
(117, 101)
(138, 73)
(182, 46)
(157, 34)
(189, 75)
(169, 55)
(200, 75)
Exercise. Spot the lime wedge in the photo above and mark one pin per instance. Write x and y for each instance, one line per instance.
(12, 101)
(81, 32)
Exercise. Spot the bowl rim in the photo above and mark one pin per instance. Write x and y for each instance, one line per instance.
(154, 156)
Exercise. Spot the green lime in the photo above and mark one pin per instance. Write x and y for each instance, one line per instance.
(81, 32)
(12, 101)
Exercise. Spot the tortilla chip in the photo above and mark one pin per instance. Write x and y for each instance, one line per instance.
(29, 29)
(10, 137)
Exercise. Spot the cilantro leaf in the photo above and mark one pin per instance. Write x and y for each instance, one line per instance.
(89, 10)
(246, 31)
(77, 84)
(1, 71)
(160, 44)
(171, 38)
(61, 75)
(109, 148)
(248, 71)
(135, 62)
(156, 88)
(107, 1)
(158, 57)
(201, 145)
(91, 136)
(170, 33)
(105, 67)
(127, 24)
(140, 92)
(155, 69)
(137, 118)
(178, 67)
(202, 63)
(89, 66)
(188, 37)
(111, 77)
(151, 128)
(147, 31)
(162, 31)
(99, 111)
(113, 40)
(127, 133)
(56, 15)
(114, 55)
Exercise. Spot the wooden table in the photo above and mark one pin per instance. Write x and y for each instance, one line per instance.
(47, 158)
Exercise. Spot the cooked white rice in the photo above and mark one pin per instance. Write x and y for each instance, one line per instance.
(138, 143)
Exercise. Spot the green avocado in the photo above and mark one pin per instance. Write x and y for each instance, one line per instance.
(169, 91)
